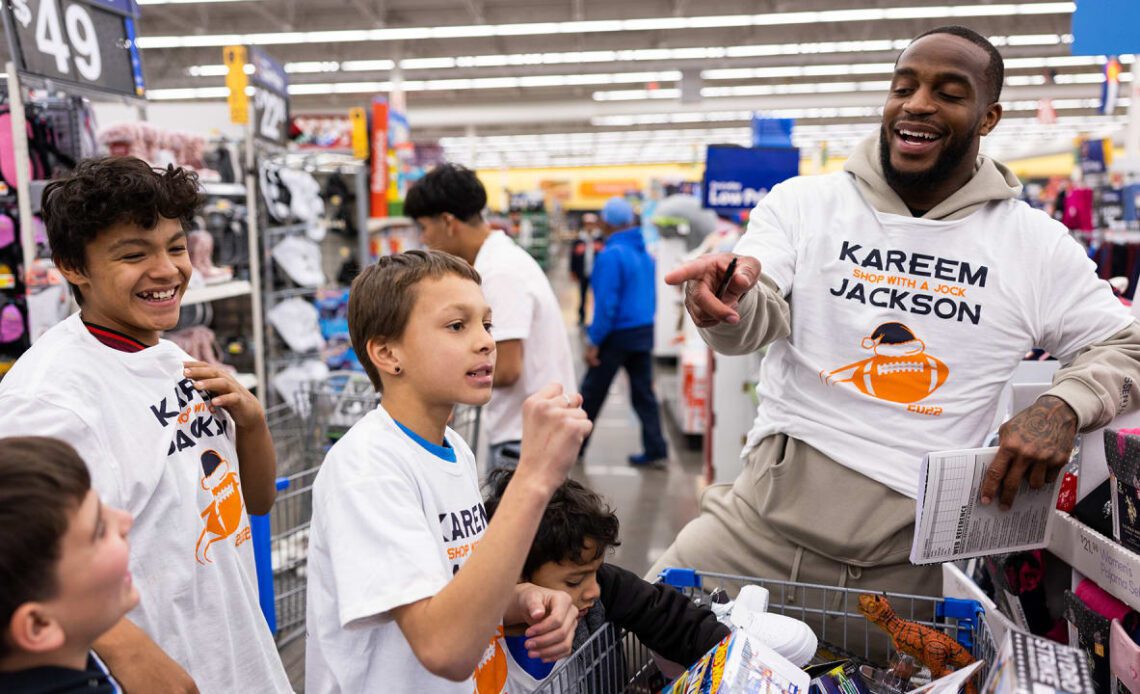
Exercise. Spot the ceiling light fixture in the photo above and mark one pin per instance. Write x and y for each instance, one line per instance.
(185, 2)
(658, 54)
(585, 27)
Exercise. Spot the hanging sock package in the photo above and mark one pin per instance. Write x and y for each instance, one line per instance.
(1122, 453)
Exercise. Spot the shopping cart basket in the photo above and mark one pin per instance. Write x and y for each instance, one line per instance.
(334, 405)
(613, 661)
(281, 538)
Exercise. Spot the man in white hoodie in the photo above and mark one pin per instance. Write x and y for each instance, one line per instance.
(896, 298)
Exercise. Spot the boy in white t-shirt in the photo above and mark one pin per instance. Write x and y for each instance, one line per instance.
(408, 583)
(161, 434)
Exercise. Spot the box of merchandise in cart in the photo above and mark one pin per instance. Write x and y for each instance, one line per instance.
(1028, 664)
(741, 663)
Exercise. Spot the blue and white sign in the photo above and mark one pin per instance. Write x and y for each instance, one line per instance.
(1106, 27)
(737, 178)
(87, 43)
(772, 132)
(270, 99)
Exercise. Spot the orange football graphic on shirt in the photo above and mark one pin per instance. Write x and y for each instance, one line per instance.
(226, 510)
(491, 675)
(900, 371)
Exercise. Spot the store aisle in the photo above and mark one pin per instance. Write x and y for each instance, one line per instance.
(652, 505)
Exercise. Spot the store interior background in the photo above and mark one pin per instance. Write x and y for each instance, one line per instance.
(560, 105)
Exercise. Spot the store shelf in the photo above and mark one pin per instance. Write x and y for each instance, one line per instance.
(214, 292)
(248, 380)
(223, 189)
(378, 224)
(1100, 558)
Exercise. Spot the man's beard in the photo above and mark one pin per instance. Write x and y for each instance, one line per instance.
(947, 162)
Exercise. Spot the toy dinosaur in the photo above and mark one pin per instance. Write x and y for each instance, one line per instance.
(931, 647)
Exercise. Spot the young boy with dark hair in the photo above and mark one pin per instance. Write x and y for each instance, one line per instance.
(568, 554)
(64, 578)
(408, 583)
(159, 431)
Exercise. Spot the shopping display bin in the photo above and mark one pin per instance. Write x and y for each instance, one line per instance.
(614, 661)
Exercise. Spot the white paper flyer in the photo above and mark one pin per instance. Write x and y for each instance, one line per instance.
(951, 523)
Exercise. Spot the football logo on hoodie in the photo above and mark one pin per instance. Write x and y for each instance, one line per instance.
(900, 371)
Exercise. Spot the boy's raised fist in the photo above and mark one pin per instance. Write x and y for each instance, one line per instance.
(554, 427)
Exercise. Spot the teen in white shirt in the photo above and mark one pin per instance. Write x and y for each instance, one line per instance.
(408, 583)
(161, 434)
(530, 331)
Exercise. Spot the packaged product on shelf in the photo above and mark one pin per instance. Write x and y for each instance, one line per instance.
(1124, 657)
(843, 679)
(741, 664)
(1122, 453)
(1020, 590)
(298, 323)
(1089, 632)
(1028, 664)
(300, 258)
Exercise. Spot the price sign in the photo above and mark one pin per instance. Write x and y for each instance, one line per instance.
(90, 43)
(270, 98)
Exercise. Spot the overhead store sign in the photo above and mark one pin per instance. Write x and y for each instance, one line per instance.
(270, 98)
(608, 188)
(378, 188)
(1106, 27)
(236, 82)
(88, 43)
(737, 178)
(359, 132)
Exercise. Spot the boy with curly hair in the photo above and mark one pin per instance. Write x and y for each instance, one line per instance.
(178, 444)
(569, 555)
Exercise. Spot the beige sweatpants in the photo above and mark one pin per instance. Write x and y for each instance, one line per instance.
(795, 515)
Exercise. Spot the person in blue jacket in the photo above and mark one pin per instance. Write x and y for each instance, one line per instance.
(621, 334)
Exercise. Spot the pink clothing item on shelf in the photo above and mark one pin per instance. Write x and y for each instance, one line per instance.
(1124, 657)
(7, 230)
(1121, 438)
(1078, 213)
(11, 323)
(201, 247)
(1101, 602)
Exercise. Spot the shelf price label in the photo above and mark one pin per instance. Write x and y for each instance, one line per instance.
(270, 97)
(90, 43)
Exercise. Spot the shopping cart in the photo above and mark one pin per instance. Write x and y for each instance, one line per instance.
(612, 661)
(281, 539)
(334, 405)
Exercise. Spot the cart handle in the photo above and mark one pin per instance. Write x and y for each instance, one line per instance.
(680, 578)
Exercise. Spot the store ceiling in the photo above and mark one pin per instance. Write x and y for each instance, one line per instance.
(588, 81)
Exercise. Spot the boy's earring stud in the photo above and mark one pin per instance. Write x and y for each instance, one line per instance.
(399, 370)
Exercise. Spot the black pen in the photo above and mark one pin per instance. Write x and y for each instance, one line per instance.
(727, 279)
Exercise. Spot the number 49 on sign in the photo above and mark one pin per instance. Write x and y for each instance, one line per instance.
(70, 42)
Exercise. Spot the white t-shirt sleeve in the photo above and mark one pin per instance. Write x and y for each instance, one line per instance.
(512, 307)
(383, 551)
(771, 237)
(35, 417)
(1076, 308)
